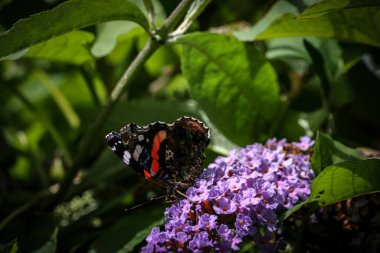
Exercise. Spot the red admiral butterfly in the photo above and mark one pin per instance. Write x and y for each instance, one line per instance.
(170, 155)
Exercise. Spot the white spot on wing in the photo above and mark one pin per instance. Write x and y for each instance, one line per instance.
(126, 157)
(137, 152)
(140, 137)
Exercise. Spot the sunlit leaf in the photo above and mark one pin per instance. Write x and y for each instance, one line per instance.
(359, 23)
(328, 152)
(346, 180)
(232, 82)
(70, 15)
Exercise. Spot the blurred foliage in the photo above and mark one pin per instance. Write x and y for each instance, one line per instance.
(252, 71)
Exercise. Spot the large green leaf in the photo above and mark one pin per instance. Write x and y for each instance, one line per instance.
(71, 47)
(70, 15)
(232, 82)
(342, 181)
(346, 180)
(349, 22)
(328, 152)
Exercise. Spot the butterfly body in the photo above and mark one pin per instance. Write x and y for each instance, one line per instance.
(170, 155)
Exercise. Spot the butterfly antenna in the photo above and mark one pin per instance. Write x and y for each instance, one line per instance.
(144, 203)
(182, 194)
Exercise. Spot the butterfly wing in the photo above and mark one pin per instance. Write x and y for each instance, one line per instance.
(170, 155)
(143, 149)
(187, 142)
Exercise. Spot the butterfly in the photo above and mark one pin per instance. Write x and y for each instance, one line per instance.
(169, 155)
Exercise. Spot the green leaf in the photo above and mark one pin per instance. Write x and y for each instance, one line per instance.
(107, 36)
(358, 23)
(233, 84)
(326, 7)
(328, 152)
(346, 180)
(10, 247)
(68, 16)
(70, 48)
(278, 9)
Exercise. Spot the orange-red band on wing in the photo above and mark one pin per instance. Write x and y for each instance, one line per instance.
(158, 139)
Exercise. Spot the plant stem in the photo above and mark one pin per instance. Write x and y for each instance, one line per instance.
(195, 10)
(92, 134)
(174, 18)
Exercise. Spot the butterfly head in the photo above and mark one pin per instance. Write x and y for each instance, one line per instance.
(115, 142)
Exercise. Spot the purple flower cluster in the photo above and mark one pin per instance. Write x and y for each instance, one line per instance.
(237, 197)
